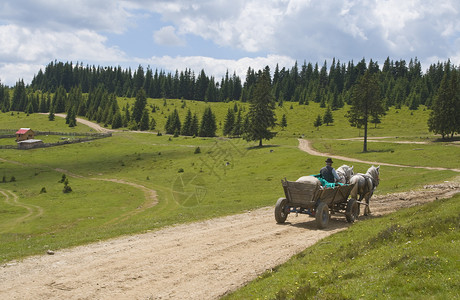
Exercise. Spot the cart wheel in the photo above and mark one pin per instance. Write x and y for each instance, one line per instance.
(322, 215)
(281, 211)
(352, 212)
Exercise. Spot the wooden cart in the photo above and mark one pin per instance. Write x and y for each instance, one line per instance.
(316, 201)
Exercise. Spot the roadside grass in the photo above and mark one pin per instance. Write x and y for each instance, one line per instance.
(229, 176)
(412, 254)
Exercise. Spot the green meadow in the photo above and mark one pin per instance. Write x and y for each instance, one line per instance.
(226, 176)
(410, 254)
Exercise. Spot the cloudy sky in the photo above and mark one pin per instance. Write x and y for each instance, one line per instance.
(216, 35)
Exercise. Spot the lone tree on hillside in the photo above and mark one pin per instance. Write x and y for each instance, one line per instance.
(283, 121)
(328, 118)
(318, 122)
(365, 103)
(261, 115)
(445, 115)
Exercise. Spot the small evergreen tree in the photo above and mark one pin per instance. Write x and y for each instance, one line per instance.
(117, 121)
(144, 123)
(208, 125)
(318, 122)
(139, 105)
(445, 117)
(261, 115)
(187, 127)
(328, 118)
(173, 123)
(238, 128)
(283, 121)
(153, 124)
(51, 115)
(229, 123)
(194, 128)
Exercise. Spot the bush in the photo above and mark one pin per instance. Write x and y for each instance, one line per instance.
(63, 178)
(67, 189)
(181, 170)
(43, 190)
(197, 150)
(13, 179)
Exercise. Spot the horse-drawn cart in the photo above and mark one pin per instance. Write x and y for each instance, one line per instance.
(313, 199)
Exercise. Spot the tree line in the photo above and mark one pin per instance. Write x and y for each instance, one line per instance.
(401, 83)
(92, 92)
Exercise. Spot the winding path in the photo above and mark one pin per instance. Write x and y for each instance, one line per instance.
(305, 146)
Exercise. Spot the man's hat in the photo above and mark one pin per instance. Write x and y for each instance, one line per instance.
(329, 160)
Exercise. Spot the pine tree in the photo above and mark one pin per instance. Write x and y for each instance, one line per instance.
(187, 127)
(328, 118)
(238, 128)
(173, 123)
(153, 124)
(51, 115)
(117, 120)
(283, 121)
(444, 117)
(229, 123)
(194, 128)
(144, 123)
(139, 105)
(59, 100)
(208, 125)
(261, 115)
(365, 103)
(318, 122)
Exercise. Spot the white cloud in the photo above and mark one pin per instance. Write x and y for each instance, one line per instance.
(12, 72)
(218, 67)
(105, 15)
(167, 36)
(36, 47)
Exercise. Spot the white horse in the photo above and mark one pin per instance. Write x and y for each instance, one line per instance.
(345, 173)
(365, 185)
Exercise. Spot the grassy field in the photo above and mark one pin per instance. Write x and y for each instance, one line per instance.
(228, 176)
(411, 254)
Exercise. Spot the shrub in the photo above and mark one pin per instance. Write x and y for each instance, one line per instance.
(13, 179)
(43, 190)
(63, 178)
(197, 150)
(67, 189)
(181, 170)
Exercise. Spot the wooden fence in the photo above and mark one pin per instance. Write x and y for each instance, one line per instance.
(87, 136)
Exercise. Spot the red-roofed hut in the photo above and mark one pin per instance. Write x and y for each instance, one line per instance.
(24, 134)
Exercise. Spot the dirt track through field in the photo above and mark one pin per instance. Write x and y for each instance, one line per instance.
(305, 146)
(202, 260)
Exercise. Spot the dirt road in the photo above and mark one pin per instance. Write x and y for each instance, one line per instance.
(201, 260)
(195, 261)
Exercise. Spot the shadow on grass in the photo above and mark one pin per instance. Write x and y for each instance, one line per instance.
(263, 146)
(448, 139)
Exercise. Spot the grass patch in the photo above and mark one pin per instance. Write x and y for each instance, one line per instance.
(409, 254)
(226, 176)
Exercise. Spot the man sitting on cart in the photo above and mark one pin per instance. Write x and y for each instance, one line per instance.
(328, 173)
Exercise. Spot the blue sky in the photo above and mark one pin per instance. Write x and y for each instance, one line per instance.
(219, 35)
